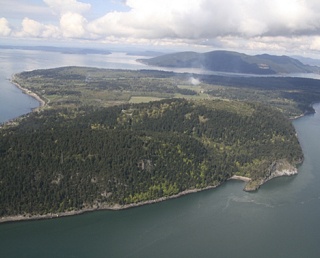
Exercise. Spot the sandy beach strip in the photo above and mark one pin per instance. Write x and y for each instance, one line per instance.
(242, 178)
(28, 92)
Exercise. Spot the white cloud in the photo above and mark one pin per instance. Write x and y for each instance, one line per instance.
(73, 25)
(193, 19)
(244, 24)
(66, 6)
(51, 31)
(315, 44)
(281, 45)
(72, 22)
(32, 28)
(4, 27)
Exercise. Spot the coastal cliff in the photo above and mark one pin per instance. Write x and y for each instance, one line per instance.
(276, 169)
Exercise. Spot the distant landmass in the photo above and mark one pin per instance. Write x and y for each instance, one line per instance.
(64, 50)
(232, 62)
(308, 60)
(145, 53)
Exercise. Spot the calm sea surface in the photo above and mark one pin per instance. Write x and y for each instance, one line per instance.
(280, 220)
(14, 103)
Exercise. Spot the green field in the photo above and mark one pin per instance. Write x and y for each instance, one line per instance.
(81, 86)
(142, 99)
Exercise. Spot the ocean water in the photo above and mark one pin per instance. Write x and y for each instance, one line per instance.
(14, 103)
(280, 220)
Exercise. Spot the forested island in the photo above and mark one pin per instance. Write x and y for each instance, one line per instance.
(91, 147)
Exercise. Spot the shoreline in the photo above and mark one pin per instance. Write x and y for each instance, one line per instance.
(42, 103)
(28, 92)
(102, 207)
(118, 207)
(240, 178)
(310, 112)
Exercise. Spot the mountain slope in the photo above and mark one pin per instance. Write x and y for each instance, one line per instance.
(232, 62)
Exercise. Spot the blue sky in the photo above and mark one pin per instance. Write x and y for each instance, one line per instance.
(273, 26)
(16, 10)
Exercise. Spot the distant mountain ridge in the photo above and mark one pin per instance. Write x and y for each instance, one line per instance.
(307, 60)
(233, 62)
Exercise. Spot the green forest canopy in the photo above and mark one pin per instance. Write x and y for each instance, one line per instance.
(64, 159)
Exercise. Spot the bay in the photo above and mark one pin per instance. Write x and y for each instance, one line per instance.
(280, 220)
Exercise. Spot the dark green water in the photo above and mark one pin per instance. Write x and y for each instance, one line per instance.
(280, 220)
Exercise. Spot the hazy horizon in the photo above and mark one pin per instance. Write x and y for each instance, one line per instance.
(287, 27)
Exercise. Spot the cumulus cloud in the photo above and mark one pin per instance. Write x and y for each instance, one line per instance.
(32, 28)
(4, 27)
(144, 20)
(72, 22)
(211, 18)
(246, 24)
(219, 23)
(192, 19)
(73, 25)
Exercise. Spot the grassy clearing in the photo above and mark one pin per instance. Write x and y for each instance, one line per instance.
(143, 99)
(196, 88)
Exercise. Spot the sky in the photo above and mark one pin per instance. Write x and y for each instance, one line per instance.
(252, 26)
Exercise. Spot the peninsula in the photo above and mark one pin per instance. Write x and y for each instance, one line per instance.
(89, 148)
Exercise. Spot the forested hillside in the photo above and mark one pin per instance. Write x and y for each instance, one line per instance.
(232, 62)
(65, 159)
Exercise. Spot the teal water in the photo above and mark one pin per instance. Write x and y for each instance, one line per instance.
(280, 220)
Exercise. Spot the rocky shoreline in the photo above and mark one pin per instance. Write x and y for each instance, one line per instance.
(277, 169)
(100, 207)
